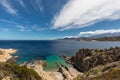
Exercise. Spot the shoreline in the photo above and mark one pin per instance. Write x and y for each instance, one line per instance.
(6, 54)
(39, 66)
(85, 63)
(63, 72)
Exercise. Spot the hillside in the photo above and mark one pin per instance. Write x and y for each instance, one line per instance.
(12, 71)
(113, 38)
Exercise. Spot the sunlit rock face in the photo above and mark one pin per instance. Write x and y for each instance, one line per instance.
(6, 54)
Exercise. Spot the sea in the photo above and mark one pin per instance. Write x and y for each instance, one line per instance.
(51, 50)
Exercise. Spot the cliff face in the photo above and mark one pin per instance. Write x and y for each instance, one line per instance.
(85, 59)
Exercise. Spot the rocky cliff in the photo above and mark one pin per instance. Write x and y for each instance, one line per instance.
(109, 71)
(85, 59)
(96, 64)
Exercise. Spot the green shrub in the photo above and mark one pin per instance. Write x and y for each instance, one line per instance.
(19, 72)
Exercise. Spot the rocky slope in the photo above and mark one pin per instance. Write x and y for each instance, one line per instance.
(96, 64)
(103, 72)
(12, 71)
(85, 59)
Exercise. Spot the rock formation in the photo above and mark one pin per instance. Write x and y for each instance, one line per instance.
(69, 73)
(85, 59)
(102, 72)
(63, 73)
(6, 54)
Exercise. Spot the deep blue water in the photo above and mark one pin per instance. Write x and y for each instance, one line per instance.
(50, 49)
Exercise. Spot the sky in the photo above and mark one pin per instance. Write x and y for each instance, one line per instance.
(53, 19)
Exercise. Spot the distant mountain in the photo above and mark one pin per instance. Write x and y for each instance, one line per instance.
(106, 35)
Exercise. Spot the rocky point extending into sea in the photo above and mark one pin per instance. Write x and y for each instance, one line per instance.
(6, 54)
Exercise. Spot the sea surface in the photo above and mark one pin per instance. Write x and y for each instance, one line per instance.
(50, 50)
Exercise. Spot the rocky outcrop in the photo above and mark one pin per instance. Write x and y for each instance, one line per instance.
(38, 66)
(85, 59)
(69, 73)
(63, 73)
(6, 54)
(103, 72)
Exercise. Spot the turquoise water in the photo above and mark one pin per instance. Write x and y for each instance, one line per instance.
(53, 60)
(50, 50)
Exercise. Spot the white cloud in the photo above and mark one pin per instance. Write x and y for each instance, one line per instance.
(7, 21)
(21, 28)
(39, 5)
(37, 28)
(70, 36)
(32, 28)
(97, 32)
(8, 7)
(24, 28)
(21, 3)
(82, 13)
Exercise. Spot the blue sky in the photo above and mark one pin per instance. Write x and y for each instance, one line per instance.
(51, 19)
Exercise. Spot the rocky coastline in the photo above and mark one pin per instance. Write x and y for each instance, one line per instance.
(88, 64)
(95, 63)
(63, 72)
(6, 54)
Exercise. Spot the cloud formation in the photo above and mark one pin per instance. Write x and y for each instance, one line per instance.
(21, 28)
(97, 32)
(7, 21)
(8, 7)
(82, 13)
(37, 5)
(21, 3)
(37, 28)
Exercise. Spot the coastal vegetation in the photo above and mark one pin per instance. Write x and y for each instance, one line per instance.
(103, 72)
(12, 71)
